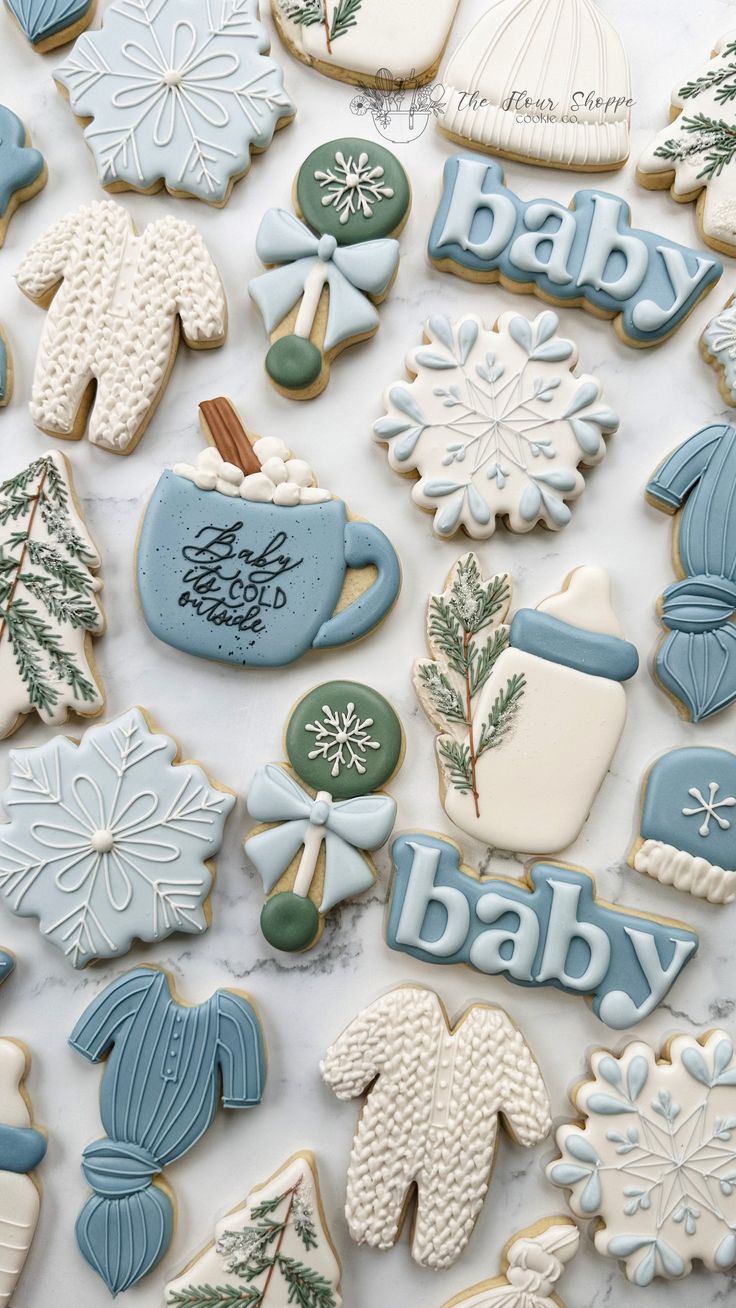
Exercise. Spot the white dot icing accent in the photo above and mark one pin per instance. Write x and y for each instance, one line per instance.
(282, 480)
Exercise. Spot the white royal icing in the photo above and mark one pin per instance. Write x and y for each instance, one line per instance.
(688, 872)
(366, 36)
(719, 345)
(20, 1199)
(431, 1116)
(586, 603)
(282, 480)
(534, 1264)
(353, 186)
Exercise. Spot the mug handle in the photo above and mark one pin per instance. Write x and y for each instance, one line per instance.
(364, 544)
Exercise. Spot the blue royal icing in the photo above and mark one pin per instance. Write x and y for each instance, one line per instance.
(589, 251)
(21, 1148)
(42, 19)
(3, 369)
(20, 164)
(594, 652)
(7, 965)
(549, 931)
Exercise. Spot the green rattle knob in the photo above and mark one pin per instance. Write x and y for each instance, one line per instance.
(290, 922)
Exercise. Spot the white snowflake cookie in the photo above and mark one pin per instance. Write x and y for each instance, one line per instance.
(494, 424)
(176, 93)
(655, 1158)
(109, 839)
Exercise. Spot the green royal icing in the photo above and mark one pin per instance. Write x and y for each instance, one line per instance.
(294, 363)
(344, 738)
(353, 190)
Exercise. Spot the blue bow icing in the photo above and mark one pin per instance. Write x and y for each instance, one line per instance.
(350, 825)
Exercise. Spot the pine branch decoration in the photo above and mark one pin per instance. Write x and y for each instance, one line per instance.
(344, 17)
(215, 1296)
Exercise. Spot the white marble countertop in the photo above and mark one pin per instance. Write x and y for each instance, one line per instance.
(232, 721)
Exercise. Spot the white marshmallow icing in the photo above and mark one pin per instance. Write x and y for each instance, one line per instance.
(282, 480)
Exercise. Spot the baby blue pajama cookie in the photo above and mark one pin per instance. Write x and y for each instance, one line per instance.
(49, 23)
(22, 169)
(6, 370)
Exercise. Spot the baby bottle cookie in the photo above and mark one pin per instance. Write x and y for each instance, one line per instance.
(22, 1148)
(242, 558)
(533, 1264)
(327, 273)
(343, 741)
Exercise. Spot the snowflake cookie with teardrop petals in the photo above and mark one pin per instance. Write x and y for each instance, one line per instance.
(655, 1159)
(494, 424)
(109, 838)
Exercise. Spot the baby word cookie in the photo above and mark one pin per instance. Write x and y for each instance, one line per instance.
(50, 23)
(687, 830)
(176, 93)
(22, 1148)
(546, 83)
(49, 599)
(6, 369)
(695, 156)
(437, 1092)
(117, 302)
(587, 254)
(695, 663)
(343, 742)
(499, 693)
(653, 1154)
(367, 42)
(533, 1264)
(327, 273)
(718, 348)
(494, 424)
(22, 169)
(242, 558)
(275, 1248)
(167, 1066)
(547, 930)
(109, 839)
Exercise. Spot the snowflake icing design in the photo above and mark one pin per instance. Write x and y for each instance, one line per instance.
(492, 425)
(656, 1158)
(353, 187)
(719, 345)
(342, 739)
(108, 841)
(177, 90)
(708, 806)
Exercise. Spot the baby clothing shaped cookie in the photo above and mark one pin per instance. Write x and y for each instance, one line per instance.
(544, 82)
(22, 1148)
(167, 1065)
(518, 763)
(493, 426)
(327, 273)
(695, 156)
(22, 169)
(176, 93)
(117, 303)
(343, 741)
(49, 599)
(50, 23)
(533, 1264)
(110, 839)
(242, 558)
(435, 1093)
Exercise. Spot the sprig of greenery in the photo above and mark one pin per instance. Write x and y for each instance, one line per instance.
(500, 719)
(719, 77)
(711, 138)
(215, 1296)
(459, 764)
(442, 693)
(344, 17)
(305, 13)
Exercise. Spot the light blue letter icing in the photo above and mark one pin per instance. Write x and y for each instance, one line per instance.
(549, 931)
(696, 662)
(167, 1066)
(41, 19)
(589, 251)
(20, 165)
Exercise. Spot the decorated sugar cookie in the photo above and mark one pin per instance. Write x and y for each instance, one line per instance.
(242, 558)
(50, 23)
(274, 1249)
(694, 156)
(586, 255)
(22, 1148)
(718, 348)
(327, 273)
(22, 170)
(176, 93)
(548, 930)
(6, 369)
(167, 1066)
(49, 599)
(368, 42)
(533, 1264)
(343, 741)
(653, 1156)
(695, 663)
(500, 693)
(546, 83)
(123, 299)
(435, 1092)
(494, 424)
(109, 839)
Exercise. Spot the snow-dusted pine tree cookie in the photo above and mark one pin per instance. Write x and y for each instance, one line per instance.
(696, 155)
(718, 348)
(49, 604)
(274, 1250)
(22, 169)
(514, 704)
(22, 1148)
(6, 369)
(367, 42)
(437, 1092)
(110, 839)
(117, 304)
(544, 83)
(176, 93)
(343, 741)
(242, 558)
(494, 424)
(50, 23)
(532, 1265)
(325, 278)
(653, 1156)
